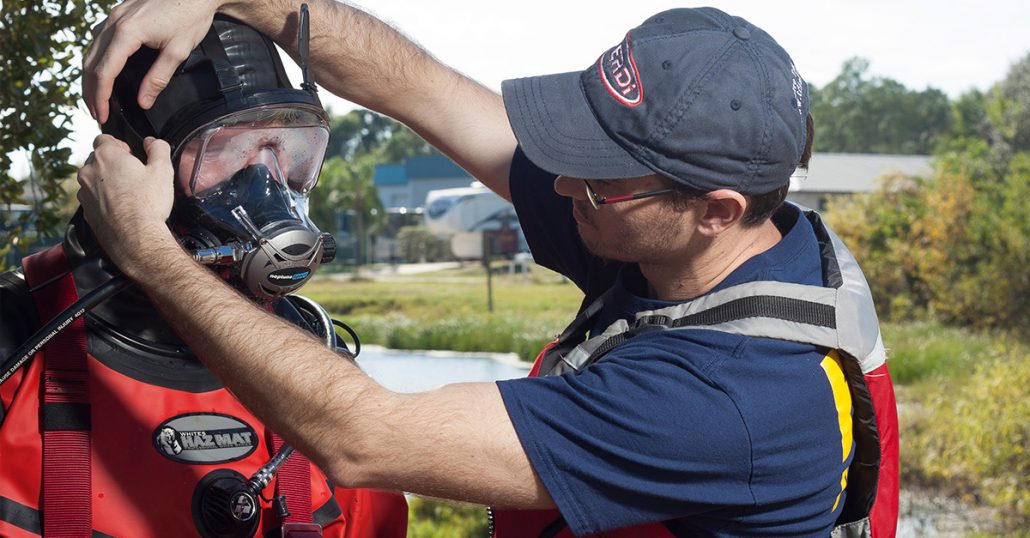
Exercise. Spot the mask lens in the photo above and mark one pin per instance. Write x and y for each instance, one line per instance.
(290, 142)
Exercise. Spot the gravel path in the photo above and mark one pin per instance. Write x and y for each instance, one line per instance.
(924, 513)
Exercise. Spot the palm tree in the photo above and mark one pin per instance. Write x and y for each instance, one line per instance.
(345, 186)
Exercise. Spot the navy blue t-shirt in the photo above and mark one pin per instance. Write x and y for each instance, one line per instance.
(717, 434)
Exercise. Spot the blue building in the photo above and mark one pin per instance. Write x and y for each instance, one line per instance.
(404, 185)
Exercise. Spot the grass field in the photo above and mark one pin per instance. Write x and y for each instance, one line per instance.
(449, 309)
(964, 396)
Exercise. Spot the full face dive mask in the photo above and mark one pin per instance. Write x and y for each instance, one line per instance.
(247, 149)
(242, 184)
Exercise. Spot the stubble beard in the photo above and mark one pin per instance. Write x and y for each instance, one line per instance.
(626, 245)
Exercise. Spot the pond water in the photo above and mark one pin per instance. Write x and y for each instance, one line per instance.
(922, 514)
(414, 371)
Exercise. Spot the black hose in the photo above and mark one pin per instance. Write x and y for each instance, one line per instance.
(354, 335)
(64, 319)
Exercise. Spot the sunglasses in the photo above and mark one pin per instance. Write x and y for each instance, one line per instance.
(598, 201)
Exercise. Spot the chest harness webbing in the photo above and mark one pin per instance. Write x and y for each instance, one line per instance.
(65, 414)
(838, 315)
(64, 408)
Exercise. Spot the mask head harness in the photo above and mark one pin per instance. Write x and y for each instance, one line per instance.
(247, 149)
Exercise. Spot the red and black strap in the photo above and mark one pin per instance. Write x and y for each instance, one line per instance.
(65, 410)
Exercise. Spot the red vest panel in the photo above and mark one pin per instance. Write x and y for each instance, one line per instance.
(150, 447)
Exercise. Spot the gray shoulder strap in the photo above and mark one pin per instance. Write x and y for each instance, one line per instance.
(841, 317)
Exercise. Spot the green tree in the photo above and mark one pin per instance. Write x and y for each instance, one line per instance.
(346, 186)
(954, 246)
(41, 42)
(364, 132)
(1005, 112)
(969, 116)
(1014, 90)
(358, 141)
(856, 113)
(357, 132)
(402, 144)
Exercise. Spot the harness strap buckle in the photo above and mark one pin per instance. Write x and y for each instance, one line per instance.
(301, 530)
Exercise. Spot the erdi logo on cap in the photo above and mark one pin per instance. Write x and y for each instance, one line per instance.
(619, 73)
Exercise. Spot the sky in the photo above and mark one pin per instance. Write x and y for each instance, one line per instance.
(951, 46)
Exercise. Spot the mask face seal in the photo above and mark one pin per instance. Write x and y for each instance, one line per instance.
(243, 182)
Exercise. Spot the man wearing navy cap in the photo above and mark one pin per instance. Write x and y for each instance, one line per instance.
(725, 375)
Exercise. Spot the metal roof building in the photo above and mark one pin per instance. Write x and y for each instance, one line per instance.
(405, 184)
(835, 174)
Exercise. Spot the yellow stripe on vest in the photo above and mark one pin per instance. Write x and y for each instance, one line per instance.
(842, 399)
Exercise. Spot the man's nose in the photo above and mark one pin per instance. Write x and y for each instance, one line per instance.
(268, 157)
(569, 187)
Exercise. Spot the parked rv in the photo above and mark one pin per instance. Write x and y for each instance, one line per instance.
(465, 214)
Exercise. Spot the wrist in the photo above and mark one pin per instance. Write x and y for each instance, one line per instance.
(254, 12)
(154, 247)
(222, 5)
(229, 7)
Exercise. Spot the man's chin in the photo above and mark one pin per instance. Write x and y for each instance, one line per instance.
(592, 242)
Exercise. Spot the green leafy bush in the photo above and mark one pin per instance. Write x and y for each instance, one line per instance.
(876, 227)
(418, 244)
(449, 312)
(524, 337)
(953, 247)
(428, 518)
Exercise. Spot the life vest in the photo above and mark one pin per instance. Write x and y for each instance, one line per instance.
(88, 450)
(838, 315)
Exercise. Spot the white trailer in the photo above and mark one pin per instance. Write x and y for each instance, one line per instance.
(463, 214)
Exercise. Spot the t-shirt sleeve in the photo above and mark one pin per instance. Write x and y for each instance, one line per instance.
(615, 443)
(547, 222)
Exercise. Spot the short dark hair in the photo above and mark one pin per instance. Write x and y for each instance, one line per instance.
(760, 207)
(763, 206)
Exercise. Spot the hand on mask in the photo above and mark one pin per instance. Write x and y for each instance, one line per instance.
(125, 201)
(173, 28)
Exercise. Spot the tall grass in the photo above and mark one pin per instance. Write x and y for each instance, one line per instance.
(449, 311)
(968, 434)
(523, 337)
(928, 351)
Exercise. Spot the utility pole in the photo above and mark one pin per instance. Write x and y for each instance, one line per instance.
(489, 276)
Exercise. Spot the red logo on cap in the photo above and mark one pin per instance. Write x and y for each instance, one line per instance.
(618, 71)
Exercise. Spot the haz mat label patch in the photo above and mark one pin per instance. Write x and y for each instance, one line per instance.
(205, 438)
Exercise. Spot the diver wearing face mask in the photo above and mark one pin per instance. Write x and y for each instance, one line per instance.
(247, 153)
(138, 437)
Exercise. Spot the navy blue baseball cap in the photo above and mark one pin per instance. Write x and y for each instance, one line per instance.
(699, 96)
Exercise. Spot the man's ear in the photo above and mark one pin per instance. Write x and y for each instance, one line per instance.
(723, 209)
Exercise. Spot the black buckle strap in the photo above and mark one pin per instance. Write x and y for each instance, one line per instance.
(764, 306)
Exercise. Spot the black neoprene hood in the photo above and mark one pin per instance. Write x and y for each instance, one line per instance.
(233, 68)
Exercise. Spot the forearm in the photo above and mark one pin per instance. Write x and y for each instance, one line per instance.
(455, 442)
(245, 346)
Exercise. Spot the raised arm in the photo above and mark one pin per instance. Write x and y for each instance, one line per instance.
(353, 55)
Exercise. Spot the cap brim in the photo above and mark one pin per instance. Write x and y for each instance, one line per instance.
(558, 131)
